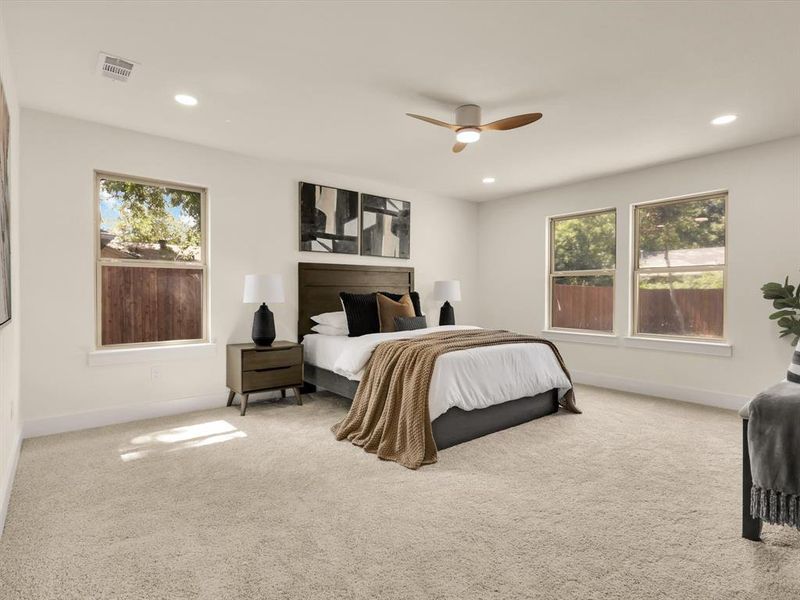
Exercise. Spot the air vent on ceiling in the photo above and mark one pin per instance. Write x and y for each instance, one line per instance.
(115, 67)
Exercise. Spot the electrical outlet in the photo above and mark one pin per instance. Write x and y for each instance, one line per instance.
(155, 373)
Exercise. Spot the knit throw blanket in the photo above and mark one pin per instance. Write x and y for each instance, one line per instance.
(773, 438)
(390, 413)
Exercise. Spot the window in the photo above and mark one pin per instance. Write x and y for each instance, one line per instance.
(679, 270)
(583, 251)
(151, 262)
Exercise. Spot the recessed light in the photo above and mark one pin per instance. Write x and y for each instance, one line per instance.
(724, 120)
(488, 180)
(186, 100)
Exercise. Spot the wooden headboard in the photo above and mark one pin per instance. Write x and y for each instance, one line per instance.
(319, 285)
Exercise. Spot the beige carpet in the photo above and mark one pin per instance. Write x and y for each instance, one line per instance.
(636, 498)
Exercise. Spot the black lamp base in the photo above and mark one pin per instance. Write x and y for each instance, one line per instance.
(263, 326)
(447, 315)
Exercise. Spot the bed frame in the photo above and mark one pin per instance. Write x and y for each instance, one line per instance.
(319, 285)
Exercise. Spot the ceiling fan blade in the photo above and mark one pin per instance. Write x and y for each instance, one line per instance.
(434, 121)
(511, 122)
(459, 146)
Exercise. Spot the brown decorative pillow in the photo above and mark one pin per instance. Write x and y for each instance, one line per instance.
(414, 300)
(388, 309)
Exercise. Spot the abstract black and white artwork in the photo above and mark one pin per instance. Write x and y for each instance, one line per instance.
(5, 243)
(385, 227)
(328, 219)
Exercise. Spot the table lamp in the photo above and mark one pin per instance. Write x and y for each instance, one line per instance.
(263, 289)
(446, 291)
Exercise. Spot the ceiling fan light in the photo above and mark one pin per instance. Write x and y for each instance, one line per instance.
(468, 135)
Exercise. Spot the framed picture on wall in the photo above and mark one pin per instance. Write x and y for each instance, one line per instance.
(328, 219)
(5, 200)
(385, 227)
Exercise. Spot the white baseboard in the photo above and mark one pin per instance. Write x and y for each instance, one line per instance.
(7, 479)
(673, 392)
(120, 414)
(124, 414)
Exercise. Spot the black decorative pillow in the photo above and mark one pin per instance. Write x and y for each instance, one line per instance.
(362, 313)
(409, 323)
(414, 300)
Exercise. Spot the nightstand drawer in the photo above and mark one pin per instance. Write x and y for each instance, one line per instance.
(253, 360)
(272, 378)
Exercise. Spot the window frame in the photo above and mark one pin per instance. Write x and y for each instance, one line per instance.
(636, 270)
(552, 273)
(100, 262)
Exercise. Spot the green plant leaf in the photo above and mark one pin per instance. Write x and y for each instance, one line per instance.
(785, 299)
(782, 313)
(772, 290)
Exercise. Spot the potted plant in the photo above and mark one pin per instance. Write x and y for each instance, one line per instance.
(785, 298)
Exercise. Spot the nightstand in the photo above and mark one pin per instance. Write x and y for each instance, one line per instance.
(254, 368)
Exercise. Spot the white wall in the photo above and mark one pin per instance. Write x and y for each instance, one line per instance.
(763, 226)
(253, 219)
(9, 333)
(253, 228)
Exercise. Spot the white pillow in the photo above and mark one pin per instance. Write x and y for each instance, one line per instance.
(333, 319)
(329, 330)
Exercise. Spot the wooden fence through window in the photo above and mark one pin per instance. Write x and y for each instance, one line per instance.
(591, 307)
(144, 304)
(583, 307)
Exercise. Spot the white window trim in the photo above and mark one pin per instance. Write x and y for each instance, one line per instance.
(203, 266)
(151, 354)
(676, 342)
(639, 342)
(580, 336)
(550, 275)
(709, 348)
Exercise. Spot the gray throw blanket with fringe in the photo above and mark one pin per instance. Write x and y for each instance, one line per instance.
(773, 438)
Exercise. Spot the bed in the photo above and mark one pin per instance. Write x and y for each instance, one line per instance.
(457, 415)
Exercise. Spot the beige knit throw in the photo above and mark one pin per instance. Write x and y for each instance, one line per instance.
(390, 414)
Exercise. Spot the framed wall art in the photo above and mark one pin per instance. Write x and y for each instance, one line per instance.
(385, 227)
(328, 219)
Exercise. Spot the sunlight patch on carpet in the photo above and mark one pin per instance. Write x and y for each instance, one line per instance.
(180, 438)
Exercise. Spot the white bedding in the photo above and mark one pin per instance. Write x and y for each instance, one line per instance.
(323, 350)
(469, 379)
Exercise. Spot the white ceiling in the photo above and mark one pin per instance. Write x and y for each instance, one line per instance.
(621, 85)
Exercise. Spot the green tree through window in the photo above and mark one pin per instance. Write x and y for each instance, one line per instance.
(150, 221)
(151, 264)
(582, 271)
(586, 242)
(680, 256)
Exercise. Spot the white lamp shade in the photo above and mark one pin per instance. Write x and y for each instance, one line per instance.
(447, 290)
(263, 288)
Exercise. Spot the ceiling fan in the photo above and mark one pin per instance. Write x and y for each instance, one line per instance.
(468, 128)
